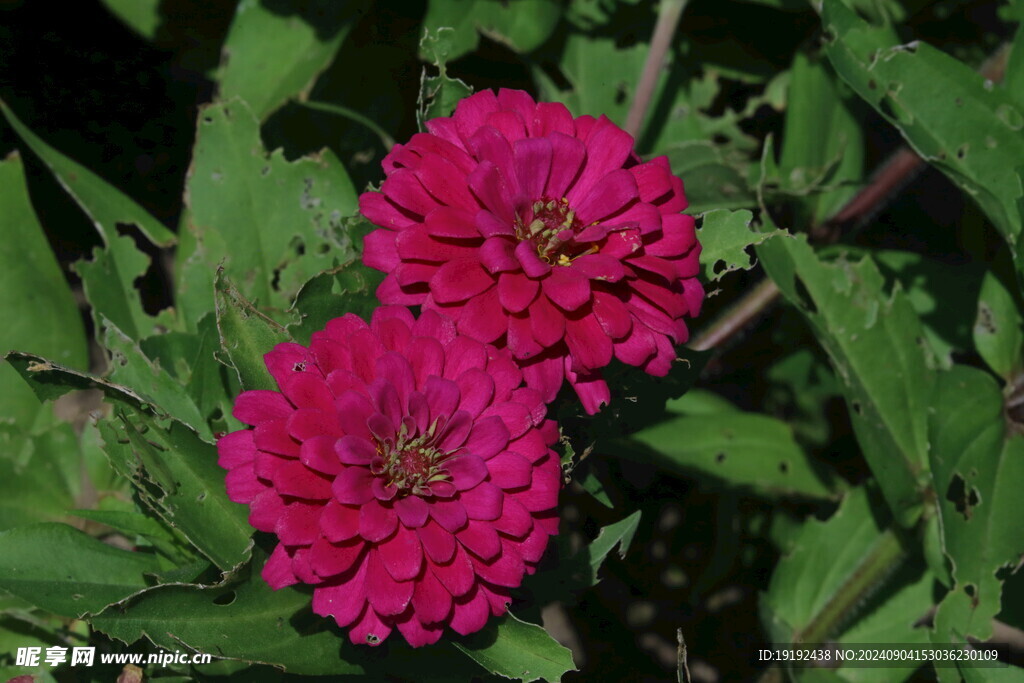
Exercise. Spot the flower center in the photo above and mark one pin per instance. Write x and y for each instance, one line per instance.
(551, 225)
(412, 462)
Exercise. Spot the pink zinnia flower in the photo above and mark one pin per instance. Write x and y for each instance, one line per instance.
(404, 469)
(539, 232)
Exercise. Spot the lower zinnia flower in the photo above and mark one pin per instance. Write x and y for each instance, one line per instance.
(405, 471)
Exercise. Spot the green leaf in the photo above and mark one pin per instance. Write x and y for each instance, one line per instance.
(50, 381)
(845, 578)
(64, 571)
(742, 449)
(978, 473)
(875, 342)
(142, 16)
(519, 650)
(39, 476)
(942, 107)
(136, 524)
(248, 621)
(246, 335)
(105, 204)
(272, 224)
(176, 474)
(40, 314)
(130, 368)
(349, 288)
(822, 140)
(710, 181)
(618, 534)
(306, 36)
(998, 333)
(438, 94)
(725, 237)
(109, 283)
(523, 26)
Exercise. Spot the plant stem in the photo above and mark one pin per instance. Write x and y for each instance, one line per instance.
(669, 13)
(884, 558)
(353, 115)
(885, 183)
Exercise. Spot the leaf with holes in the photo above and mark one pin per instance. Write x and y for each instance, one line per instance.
(439, 94)
(877, 348)
(349, 288)
(998, 334)
(725, 237)
(978, 474)
(523, 26)
(255, 214)
(517, 649)
(246, 335)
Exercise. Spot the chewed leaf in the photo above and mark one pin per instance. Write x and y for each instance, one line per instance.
(519, 650)
(725, 237)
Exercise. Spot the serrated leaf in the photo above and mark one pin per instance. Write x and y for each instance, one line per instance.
(64, 571)
(109, 283)
(246, 335)
(518, 650)
(978, 473)
(306, 36)
(710, 181)
(50, 381)
(618, 534)
(348, 288)
(39, 310)
(130, 368)
(438, 94)
(248, 621)
(875, 342)
(105, 204)
(998, 328)
(176, 475)
(725, 237)
(747, 450)
(523, 26)
(941, 106)
(270, 223)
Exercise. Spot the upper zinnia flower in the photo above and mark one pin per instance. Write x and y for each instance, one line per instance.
(405, 471)
(539, 232)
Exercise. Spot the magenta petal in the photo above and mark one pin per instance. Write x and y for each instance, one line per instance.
(431, 602)
(568, 153)
(476, 389)
(450, 222)
(612, 315)
(295, 479)
(497, 255)
(532, 163)
(599, 267)
(387, 596)
(611, 194)
(588, 344)
(438, 544)
(416, 633)
(515, 520)
(412, 511)
(237, 448)
(456, 575)
(592, 390)
(608, 148)
(466, 470)
(330, 559)
(253, 407)
(509, 470)
(377, 521)
(482, 502)
(442, 396)
(299, 524)
(488, 437)
(380, 252)
(339, 522)
(507, 569)
(492, 190)
(458, 281)
(344, 601)
(265, 509)
(567, 289)
(353, 409)
(242, 484)
(520, 338)
(516, 291)
(352, 486)
(426, 355)
(527, 256)
(402, 554)
(456, 431)
(516, 417)
(546, 322)
(450, 514)
(369, 629)
(470, 613)
(277, 572)
(481, 539)
(354, 450)
(546, 376)
(482, 318)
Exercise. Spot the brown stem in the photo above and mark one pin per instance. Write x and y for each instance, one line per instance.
(669, 13)
(894, 172)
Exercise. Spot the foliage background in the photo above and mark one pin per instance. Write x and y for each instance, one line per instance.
(886, 378)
